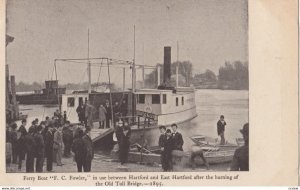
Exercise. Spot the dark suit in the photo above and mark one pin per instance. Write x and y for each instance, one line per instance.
(167, 154)
(80, 152)
(81, 114)
(108, 115)
(21, 145)
(89, 153)
(221, 130)
(14, 144)
(67, 140)
(31, 152)
(40, 152)
(240, 161)
(124, 147)
(49, 149)
(161, 144)
(178, 141)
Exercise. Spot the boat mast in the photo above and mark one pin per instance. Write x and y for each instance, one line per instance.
(133, 64)
(89, 63)
(177, 64)
(133, 74)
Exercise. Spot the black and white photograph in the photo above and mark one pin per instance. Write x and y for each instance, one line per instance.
(127, 86)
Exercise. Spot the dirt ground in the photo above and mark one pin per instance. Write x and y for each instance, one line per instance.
(107, 164)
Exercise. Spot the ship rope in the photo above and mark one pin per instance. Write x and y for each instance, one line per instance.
(110, 97)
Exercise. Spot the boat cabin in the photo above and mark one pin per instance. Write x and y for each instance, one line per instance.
(167, 106)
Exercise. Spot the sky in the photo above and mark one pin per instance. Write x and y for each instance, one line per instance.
(208, 32)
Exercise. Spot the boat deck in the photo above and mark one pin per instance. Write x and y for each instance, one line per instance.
(96, 133)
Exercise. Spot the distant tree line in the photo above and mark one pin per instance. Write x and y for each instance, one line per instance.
(231, 76)
(234, 76)
(26, 87)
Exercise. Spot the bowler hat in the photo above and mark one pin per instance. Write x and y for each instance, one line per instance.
(245, 130)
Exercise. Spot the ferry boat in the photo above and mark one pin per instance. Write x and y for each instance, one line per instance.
(147, 108)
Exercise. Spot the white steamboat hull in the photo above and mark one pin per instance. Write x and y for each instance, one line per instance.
(177, 117)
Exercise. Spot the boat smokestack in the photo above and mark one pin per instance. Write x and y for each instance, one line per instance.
(167, 64)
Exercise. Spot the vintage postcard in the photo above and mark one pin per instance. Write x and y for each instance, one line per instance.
(149, 93)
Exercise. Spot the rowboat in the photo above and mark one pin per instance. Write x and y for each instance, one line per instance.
(152, 155)
(204, 141)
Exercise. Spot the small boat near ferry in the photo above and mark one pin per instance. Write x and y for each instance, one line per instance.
(204, 142)
(152, 155)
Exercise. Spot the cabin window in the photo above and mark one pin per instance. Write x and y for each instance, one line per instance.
(71, 102)
(155, 98)
(164, 98)
(182, 100)
(176, 101)
(141, 98)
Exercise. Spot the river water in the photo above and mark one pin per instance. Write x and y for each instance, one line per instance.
(233, 104)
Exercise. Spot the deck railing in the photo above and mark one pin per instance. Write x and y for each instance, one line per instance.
(139, 120)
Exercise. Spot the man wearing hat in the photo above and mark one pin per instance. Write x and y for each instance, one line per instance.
(49, 147)
(40, 148)
(240, 160)
(14, 137)
(88, 149)
(221, 129)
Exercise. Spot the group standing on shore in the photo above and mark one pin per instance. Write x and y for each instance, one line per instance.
(50, 140)
(169, 143)
(56, 137)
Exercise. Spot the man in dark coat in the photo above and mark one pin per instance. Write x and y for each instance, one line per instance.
(30, 149)
(33, 125)
(49, 147)
(119, 132)
(123, 109)
(45, 129)
(14, 138)
(67, 139)
(240, 160)
(161, 144)
(167, 152)
(177, 138)
(79, 150)
(108, 114)
(21, 143)
(40, 148)
(221, 128)
(124, 144)
(116, 109)
(81, 113)
(88, 149)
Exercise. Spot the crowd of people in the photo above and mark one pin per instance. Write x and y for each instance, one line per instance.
(46, 142)
(106, 113)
